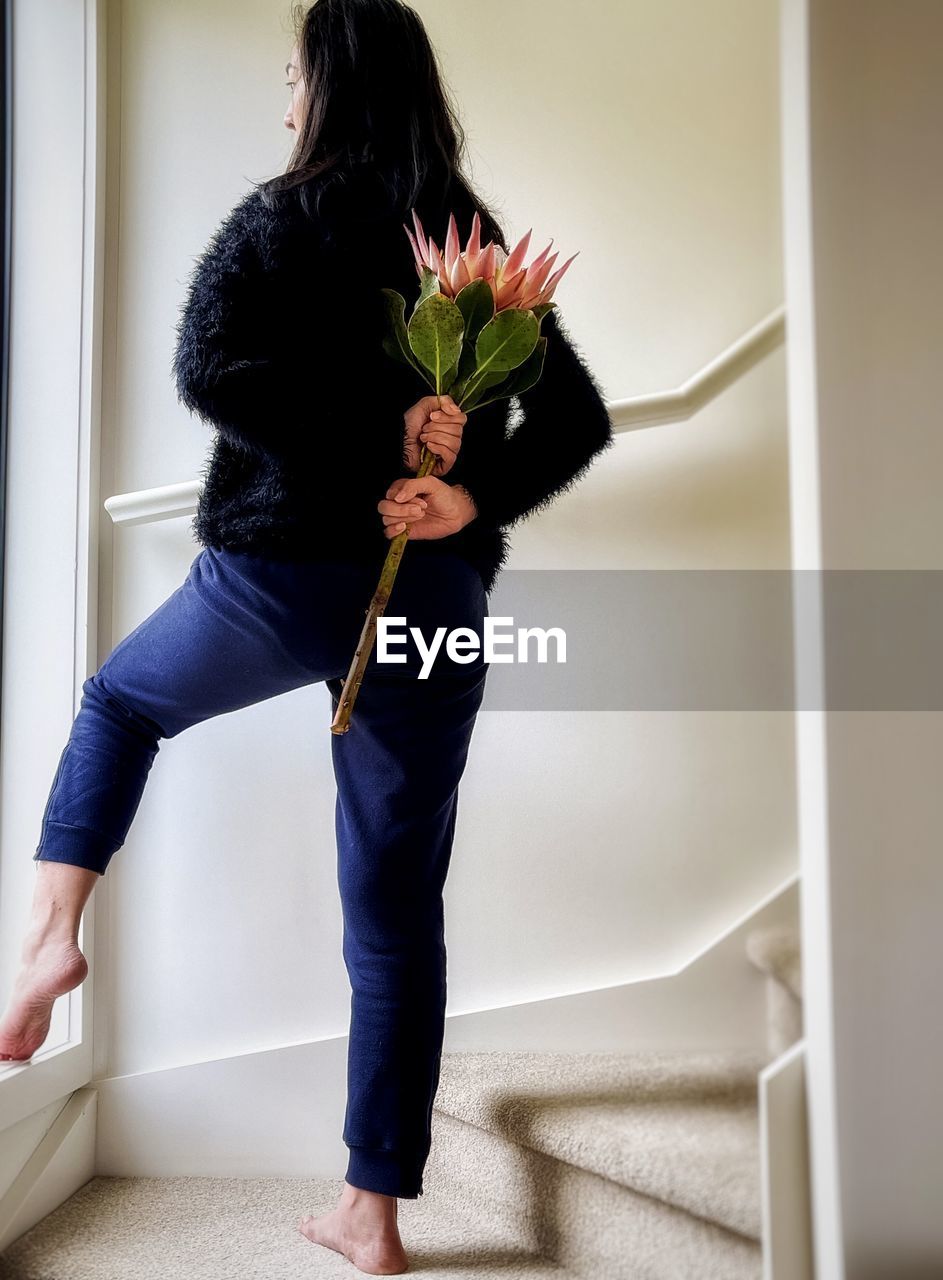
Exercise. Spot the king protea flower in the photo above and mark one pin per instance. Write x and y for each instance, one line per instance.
(512, 284)
(474, 332)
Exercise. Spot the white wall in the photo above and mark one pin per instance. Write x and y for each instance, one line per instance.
(647, 137)
(865, 283)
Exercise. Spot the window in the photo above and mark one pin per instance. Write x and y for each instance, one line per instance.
(52, 304)
(6, 169)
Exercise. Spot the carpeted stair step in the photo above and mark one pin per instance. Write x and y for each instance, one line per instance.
(637, 1166)
(679, 1127)
(776, 952)
(242, 1229)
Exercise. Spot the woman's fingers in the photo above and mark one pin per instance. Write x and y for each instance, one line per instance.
(437, 428)
(393, 510)
(434, 432)
(443, 438)
(403, 504)
(392, 525)
(443, 447)
(430, 404)
(440, 431)
(447, 423)
(397, 515)
(401, 519)
(444, 513)
(410, 489)
(427, 410)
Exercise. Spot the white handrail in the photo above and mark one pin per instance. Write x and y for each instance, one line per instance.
(162, 503)
(693, 395)
(171, 500)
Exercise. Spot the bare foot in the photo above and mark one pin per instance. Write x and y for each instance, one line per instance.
(363, 1228)
(51, 965)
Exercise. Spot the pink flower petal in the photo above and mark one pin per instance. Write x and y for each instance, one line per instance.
(550, 286)
(461, 276)
(452, 246)
(539, 261)
(416, 254)
(535, 280)
(511, 291)
(516, 260)
(473, 248)
(421, 237)
(438, 266)
(486, 267)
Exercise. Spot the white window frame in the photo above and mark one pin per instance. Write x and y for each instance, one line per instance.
(54, 512)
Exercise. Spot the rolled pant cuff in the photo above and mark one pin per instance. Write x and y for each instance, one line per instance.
(387, 1172)
(80, 846)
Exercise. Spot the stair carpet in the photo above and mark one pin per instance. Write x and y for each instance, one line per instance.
(624, 1166)
(776, 953)
(241, 1229)
(573, 1166)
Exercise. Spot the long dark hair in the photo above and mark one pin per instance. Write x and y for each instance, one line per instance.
(380, 135)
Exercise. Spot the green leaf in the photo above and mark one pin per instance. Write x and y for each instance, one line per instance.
(430, 285)
(542, 310)
(525, 375)
(469, 362)
(507, 340)
(466, 368)
(476, 303)
(520, 379)
(395, 340)
(435, 334)
(503, 344)
(488, 380)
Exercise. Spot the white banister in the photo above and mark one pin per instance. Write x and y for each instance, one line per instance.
(163, 503)
(171, 500)
(686, 400)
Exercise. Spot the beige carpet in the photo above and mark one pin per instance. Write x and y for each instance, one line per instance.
(239, 1229)
(777, 953)
(678, 1127)
(613, 1166)
(639, 1166)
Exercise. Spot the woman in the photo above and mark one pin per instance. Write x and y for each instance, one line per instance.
(280, 350)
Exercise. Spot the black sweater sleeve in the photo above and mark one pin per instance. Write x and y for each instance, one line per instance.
(232, 363)
(564, 426)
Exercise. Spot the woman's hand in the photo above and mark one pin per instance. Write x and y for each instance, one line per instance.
(439, 429)
(429, 508)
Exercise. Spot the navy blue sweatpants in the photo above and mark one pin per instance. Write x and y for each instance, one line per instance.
(242, 628)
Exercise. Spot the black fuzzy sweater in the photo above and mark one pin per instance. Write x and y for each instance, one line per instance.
(279, 349)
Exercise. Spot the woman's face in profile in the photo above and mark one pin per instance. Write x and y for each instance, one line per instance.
(294, 114)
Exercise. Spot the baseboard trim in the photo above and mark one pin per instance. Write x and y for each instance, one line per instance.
(63, 1161)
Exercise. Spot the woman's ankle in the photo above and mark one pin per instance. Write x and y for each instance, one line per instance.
(360, 1197)
(59, 899)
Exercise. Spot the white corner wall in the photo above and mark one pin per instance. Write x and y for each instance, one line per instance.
(864, 208)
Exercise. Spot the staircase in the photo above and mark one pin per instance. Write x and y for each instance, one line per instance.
(576, 1166)
(630, 1166)
(634, 1167)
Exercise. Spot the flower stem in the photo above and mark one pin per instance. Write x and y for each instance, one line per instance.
(381, 597)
